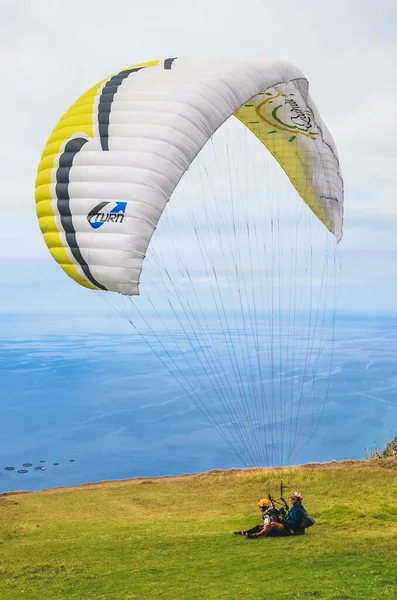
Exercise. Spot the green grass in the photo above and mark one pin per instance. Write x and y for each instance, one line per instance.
(171, 538)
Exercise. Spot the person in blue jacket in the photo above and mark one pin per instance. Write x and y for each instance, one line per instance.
(295, 514)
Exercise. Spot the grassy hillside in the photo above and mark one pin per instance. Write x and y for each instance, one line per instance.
(171, 538)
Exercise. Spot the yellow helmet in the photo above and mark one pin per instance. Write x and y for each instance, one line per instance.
(264, 502)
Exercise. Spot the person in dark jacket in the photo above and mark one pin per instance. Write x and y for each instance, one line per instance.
(295, 514)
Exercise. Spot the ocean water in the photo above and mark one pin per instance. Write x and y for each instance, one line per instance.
(89, 394)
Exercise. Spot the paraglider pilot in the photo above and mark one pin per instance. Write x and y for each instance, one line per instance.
(271, 521)
(297, 511)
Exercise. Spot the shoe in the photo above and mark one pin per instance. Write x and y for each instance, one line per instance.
(238, 532)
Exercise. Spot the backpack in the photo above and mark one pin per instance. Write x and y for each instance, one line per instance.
(306, 520)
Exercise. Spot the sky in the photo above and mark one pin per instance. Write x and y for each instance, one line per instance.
(52, 51)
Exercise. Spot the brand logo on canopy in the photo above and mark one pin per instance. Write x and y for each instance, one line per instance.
(98, 216)
(283, 112)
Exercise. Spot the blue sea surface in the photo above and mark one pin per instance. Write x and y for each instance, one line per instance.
(89, 394)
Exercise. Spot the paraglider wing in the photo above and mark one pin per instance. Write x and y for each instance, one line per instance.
(114, 159)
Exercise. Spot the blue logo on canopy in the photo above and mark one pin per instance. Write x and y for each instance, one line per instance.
(98, 216)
